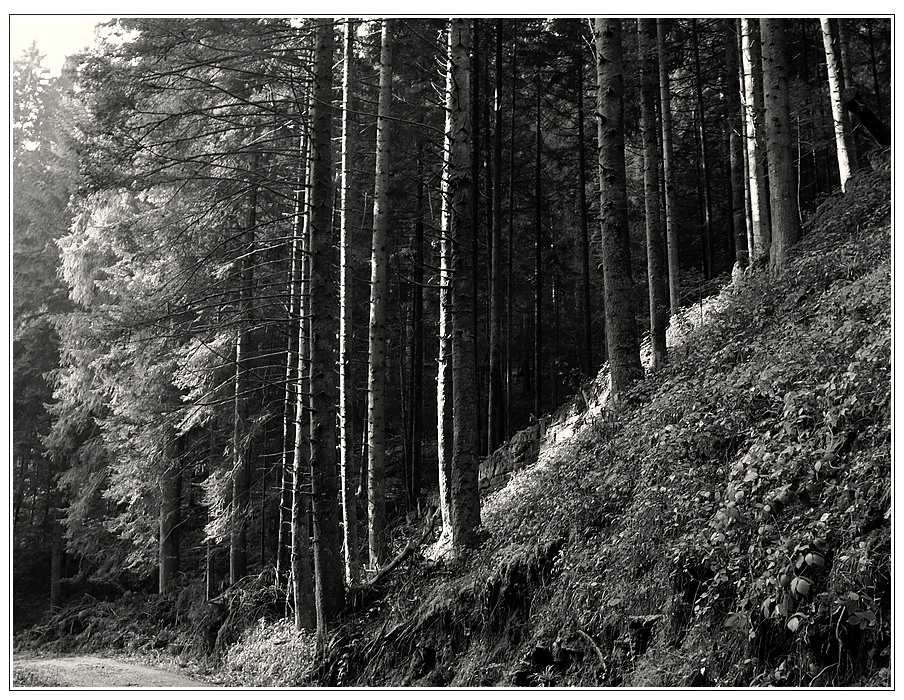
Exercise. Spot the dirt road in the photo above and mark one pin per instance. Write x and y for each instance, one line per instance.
(94, 672)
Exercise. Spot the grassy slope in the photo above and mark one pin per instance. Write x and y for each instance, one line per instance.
(729, 526)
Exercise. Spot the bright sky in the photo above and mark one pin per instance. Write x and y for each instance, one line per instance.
(58, 36)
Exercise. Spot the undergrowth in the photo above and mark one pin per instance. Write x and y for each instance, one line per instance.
(729, 524)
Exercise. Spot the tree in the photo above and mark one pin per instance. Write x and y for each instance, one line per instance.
(324, 322)
(621, 331)
(735, 144)
(656, 273)
(346, 450)
(782, 182)
(496, 409)
(756, 182)
(839, 115)
(668, 159)
(464, 498)
(377, 527)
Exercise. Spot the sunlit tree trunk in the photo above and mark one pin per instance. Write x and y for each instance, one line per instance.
(753, 98)
(839, 116)
(656, 254)
(735, 144)
(621, 330)
(465, 501)
(379, 289)
(782, 182)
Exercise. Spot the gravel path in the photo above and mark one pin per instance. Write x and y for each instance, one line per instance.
(95, 672)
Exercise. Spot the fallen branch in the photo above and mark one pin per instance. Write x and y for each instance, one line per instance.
(596, 648)
(407, 551)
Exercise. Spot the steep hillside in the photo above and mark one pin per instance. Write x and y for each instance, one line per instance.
(729, 526)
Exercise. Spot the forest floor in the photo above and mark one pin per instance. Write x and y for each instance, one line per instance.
(94, 672)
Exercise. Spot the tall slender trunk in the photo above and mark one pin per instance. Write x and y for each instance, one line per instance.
(284, 547)
(464, 495)
(57, 551)
(668, 160)
(413, 484)
(753, 98)
(241, 479)
(779, 141)
(846, 79)
(874, 66)
(708, 255)
(495, 410)
(538, 264)
(586, 311)
(656, 259)
(377, 525)
(301, 565)
(328, 567)
(170, 517)
(621, 330)
(510, 242)
(475, 206)
(839, 116)
(736, 205)
(348, 473)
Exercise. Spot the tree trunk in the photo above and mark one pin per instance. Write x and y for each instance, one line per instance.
(668, 160)
(475, 208)
(413, 485)
(621, 329)
(538, 264)
(241, 479)
(495, 410)
(328, 567)
(782, 186)
(587, 311)
(300, 563)
(377, 526)
(846, 81)
(347, 469)
(464, 494)
(656, 258)
(735, 145)
(57, 552)
(839, 116)
(708, 257)
(284, 546)
(170, 518)
(761, 228)
(510, 242)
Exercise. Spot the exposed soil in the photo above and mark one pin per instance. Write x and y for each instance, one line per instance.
(94, 672)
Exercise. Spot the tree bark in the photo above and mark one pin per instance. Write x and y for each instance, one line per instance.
(839, 116)
(760, 225)
(586, 311)
(656, 258)
(241, 479)
(538, 263)
(735, 145)
(668, 160)
(328, 567)
(495, 410)
(413, 485)
(377, 526)
(464, 494)
(621, 329)
(170, 518)
(782, 184)
(349, 475)
(708, 261)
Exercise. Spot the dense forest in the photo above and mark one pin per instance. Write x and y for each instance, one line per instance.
(300, 304)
